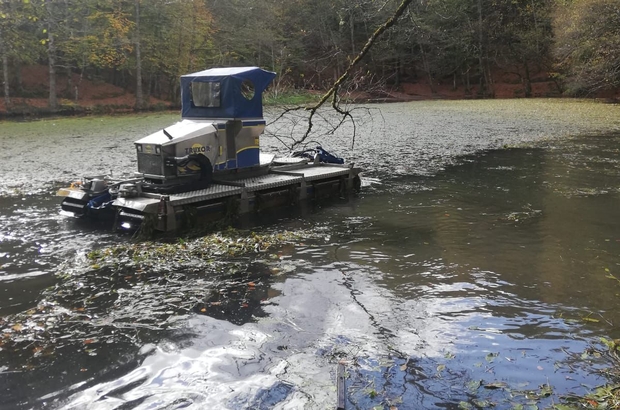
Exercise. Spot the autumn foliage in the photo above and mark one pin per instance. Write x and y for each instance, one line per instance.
(143, 46)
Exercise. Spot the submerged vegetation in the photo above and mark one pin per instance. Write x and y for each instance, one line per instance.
(607, 352)
(606, 396)
(130, 293)
(133, 293)
(117, 293)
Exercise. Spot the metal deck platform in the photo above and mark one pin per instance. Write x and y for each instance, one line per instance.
(276, 179)
(282, 185)
(215, 191)
(270, 181)
(320, 172)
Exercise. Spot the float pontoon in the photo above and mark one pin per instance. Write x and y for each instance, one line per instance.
(210, 162)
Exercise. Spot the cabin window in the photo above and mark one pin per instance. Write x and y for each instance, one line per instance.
(247, 89)
(206, 94)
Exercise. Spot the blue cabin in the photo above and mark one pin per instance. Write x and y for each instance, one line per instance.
(222, 120)
(224, 93)
(232, 98)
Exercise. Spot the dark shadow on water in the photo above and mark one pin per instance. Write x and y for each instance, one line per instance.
(91, 326)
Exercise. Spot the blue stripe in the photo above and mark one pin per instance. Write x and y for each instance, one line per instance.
(251, 123)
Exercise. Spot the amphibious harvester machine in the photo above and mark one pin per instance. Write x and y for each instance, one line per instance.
(210, 163)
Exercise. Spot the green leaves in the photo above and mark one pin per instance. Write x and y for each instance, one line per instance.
(612, 345)
(491, 356)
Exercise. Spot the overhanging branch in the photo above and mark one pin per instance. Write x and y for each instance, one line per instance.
(333, 91)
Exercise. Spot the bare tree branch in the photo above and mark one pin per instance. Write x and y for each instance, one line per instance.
(333, 91)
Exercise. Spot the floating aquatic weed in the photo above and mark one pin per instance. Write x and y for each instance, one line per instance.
(570, 192)
(203, 250)
(610, 275)
(376, 382)
(602, 397)
(527, 215)
(127, 292)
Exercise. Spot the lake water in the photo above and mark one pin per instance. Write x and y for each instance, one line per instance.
(476, 268)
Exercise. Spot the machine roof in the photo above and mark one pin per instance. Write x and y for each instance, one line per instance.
(232, 102)
(224, 71)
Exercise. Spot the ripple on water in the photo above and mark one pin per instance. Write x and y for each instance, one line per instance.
(459, 266)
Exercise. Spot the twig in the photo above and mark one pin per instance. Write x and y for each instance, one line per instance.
(333, 91)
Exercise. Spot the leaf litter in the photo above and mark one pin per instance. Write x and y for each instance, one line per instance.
(123, 292)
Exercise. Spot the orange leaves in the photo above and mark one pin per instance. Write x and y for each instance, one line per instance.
(107, 44)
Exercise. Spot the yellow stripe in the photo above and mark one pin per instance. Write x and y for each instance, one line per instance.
(250, 147)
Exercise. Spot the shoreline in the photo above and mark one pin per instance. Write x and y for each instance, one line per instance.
(34, 109)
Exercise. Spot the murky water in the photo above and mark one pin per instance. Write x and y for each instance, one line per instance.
(474, 269)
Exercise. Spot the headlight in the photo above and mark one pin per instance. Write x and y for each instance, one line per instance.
(139, 147)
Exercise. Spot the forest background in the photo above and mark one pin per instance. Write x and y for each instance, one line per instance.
(76, 55)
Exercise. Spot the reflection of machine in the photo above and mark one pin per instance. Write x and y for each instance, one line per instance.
(209, 158)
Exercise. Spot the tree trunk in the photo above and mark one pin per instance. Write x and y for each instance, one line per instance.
(489, 78)
(397, 76)
(5, 77)
(352, 33)
(5, 81)
(51, 58)
(528, 81)
(19, 81)
(149, 89)
(160, 92)
(467, 81)
(481, 63)
(260, 50)
(139, 94)
(427, 68)
(69, 88)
